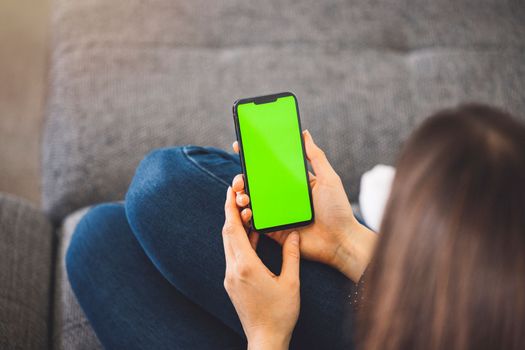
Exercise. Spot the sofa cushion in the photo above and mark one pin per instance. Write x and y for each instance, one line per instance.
(129, 76)
(71, 329)
(395, 24)
(26, 239)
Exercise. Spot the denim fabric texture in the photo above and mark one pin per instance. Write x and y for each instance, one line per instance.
(149, 272)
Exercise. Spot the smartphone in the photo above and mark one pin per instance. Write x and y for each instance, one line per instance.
(273, 160)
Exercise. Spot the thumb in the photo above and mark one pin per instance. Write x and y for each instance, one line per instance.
(291, 256)
(317, 157)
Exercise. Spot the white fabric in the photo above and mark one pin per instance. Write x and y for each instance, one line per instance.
(375, 190)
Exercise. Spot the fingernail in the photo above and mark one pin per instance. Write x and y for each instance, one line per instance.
(306, 132)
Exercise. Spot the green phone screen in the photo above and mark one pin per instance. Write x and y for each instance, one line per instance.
(276, 173)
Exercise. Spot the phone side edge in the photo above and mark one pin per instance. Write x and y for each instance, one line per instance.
(241, 152)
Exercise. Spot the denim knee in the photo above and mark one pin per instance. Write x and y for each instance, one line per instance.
(92, 243)
(155, 183)
(168, 184)
(164, 172)
(155, 179)
(155, 173)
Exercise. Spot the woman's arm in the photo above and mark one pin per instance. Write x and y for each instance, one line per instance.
(268, 342)
(355, 252)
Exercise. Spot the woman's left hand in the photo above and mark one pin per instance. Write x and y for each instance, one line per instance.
(267, 305)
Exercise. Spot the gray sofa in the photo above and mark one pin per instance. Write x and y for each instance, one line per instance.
(127, 76)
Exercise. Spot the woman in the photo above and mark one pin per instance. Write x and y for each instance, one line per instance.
(448, 272)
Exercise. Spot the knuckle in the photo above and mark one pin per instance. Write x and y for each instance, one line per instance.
(319, 153)
(337, 178)
(294, 254)
(243, 271)
(294, 283)
(228, 281)
(227, 229)
(333, 179)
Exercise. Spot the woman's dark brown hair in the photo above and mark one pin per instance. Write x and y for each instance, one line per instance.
(449, 271)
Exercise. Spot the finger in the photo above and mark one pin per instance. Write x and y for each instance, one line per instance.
(311, 178)
(278, 236)
(228, 250)
(235, 147)
(246, 215)
(238, 183)
(254, 239)
(291, 256)
(242, 200)
(233, 233)
(317, 158)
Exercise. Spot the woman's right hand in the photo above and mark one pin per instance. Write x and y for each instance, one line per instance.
(335, 237)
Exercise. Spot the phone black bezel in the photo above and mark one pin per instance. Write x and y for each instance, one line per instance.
(261, 100)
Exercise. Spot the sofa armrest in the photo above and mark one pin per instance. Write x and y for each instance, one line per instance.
(71, 329)
(26, 249)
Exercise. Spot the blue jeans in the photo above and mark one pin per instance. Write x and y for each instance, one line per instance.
(149, 272)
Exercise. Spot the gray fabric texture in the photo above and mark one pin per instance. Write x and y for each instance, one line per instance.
(128, 76)
(26, 239)
(71, 329)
